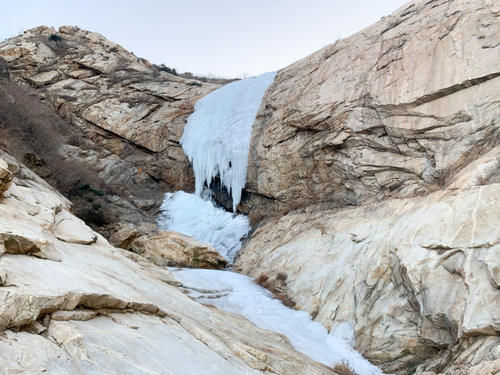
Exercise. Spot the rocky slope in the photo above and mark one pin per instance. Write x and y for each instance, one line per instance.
(418, 278)
(130, 113)
(386, 144)
(71, 303)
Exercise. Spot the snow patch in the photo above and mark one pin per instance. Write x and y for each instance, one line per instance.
(191, 215)
(216, 138)
(237, 293)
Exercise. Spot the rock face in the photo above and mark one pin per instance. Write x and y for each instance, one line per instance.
(392, 111)
(386, 148)
(5, 176)
(72, 310)
(130, 113)
(176, 249)
(416, 277)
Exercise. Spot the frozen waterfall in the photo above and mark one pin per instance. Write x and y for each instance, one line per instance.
(216, 138)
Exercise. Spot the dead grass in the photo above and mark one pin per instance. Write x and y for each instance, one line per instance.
(343, 369)
(277, 286)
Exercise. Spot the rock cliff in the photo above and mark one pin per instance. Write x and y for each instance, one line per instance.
(384, 150)
(130, 113)
(393, 111)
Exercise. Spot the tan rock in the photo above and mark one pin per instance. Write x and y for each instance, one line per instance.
(5, 176)
(44, 78)
(124, 235)
(105, 90)
(486, 368)
(69, 228)
(64, 315)
(126, 115)
(176, 249)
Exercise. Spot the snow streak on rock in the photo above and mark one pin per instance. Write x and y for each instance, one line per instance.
(237, 293)
(216, 138)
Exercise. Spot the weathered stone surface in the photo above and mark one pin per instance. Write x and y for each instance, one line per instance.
(99, 83)
(486, 368)
(414, 276)
(176, 249)
(97, 312)
(5, 176)
(69, 228)
(64, 315)
(385, 147)
(124, 235)
(392, 111)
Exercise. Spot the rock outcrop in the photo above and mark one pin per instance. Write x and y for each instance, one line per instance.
(393, 111)
(126, 114)
(383, 152)
(175, 249)
(5, 176)
(418, 278)
(83, 307)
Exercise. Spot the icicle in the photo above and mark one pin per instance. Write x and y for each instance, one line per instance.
(216, 138)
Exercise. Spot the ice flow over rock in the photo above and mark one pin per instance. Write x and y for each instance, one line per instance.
(216, 138)
(238, 294)
(189, 214)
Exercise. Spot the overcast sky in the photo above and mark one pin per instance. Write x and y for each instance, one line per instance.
(221, 37)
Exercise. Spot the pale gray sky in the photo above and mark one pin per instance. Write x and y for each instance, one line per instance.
(221, 37)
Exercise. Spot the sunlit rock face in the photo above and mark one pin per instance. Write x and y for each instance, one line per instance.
(392, 111)
(71, 303)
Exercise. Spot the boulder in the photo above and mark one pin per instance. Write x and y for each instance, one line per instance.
(176, 249)
(6, 176)
(69, 228)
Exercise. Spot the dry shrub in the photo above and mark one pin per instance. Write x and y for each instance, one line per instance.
(343, 369)
(282, 276)
(34, 134)
(277, 287)
(262, 279)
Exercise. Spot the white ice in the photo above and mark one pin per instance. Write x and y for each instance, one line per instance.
(216, 138)
(191, 215)
(239, 294)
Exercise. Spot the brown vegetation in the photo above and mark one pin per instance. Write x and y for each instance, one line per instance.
(34, 134)
(189, 75)
(343, 369)
(277, 286)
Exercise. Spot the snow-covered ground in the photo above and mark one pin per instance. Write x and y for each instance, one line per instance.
(191, 215)
(216, 138)
(237, 293)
